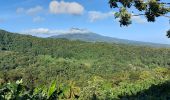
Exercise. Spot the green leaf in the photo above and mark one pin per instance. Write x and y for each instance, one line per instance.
(52, 89)
(117, 14)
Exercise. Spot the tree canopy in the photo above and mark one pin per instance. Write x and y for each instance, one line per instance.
(151, 9)
(80, 70)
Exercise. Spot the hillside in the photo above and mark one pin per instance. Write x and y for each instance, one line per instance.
(84, 70)
(93, 37)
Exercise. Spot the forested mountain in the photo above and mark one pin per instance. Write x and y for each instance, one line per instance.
(93, 37)
(82, 70)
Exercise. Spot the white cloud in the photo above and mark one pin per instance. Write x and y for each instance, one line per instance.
(29, 11)
(45, 32)
(38, 19)
(20, 10)
(138, 19)
(96, 15)
(34, 10)
(76, 30)
(62, 7)
(37, 31)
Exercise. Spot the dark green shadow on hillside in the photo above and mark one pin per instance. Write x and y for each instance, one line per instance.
(155, 92)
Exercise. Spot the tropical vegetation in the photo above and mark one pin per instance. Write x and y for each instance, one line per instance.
(48, 69)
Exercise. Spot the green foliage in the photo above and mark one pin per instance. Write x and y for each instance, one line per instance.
(78, 70)
(151, 9)
(168, 33)
(52, 89)
(17, 91)
(124, 17)
(13, 91)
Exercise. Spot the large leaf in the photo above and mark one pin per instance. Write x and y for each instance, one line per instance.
(52, 89)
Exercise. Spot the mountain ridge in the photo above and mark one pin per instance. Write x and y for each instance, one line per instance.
(93, 37)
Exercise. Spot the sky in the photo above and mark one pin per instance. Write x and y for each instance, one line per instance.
(51, 17)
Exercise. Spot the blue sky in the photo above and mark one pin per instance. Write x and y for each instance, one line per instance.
(50, 17)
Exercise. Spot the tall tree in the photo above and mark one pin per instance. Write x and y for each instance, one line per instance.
(151, 9)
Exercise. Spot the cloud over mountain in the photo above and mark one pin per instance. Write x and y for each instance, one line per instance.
(45, 32)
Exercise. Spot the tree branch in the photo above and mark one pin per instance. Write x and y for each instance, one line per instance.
(145, 14)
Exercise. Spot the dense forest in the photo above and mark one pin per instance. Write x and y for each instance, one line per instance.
(44, 68)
